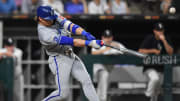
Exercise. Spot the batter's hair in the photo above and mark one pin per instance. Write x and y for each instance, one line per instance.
(36, 18)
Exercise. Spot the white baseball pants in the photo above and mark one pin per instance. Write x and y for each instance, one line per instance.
(62, 67)
(154, 83)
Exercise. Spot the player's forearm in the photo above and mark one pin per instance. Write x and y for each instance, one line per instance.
(79, 42)
(71, 27)
(147, 51)
(64, 40)
(78, 31)
(168, 48)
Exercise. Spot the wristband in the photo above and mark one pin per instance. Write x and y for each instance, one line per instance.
(84, 33)
(74, 29)
(69, 26)
(87, 42)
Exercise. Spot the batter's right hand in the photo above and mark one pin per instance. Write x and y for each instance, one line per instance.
(94, 43)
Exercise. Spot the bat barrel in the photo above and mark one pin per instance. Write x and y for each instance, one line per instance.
(128, 51)
(135, 53)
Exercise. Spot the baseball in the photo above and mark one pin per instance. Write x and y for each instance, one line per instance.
(172, 10)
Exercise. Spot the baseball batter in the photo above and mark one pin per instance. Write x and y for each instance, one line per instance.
(54, 34)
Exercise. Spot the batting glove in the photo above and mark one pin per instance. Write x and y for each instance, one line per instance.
(94, 43)
(88, 35)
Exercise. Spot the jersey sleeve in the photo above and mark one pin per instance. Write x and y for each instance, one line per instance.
(48, 37)
(64, 23)
(52, 38)
(146, 43)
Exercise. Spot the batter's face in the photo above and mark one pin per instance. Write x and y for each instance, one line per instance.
(107, 40)
(46, 22)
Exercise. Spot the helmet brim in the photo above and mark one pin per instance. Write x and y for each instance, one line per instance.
(51, 17)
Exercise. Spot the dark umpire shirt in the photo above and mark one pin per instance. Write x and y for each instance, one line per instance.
(150, 42)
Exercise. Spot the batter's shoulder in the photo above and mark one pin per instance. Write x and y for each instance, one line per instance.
(44, 33)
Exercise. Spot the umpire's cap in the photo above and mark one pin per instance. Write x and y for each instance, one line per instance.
(159, 26)
(9, 42)
(107, 33)
(46, 12)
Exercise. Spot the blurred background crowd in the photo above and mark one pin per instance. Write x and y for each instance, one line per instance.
(89, 6)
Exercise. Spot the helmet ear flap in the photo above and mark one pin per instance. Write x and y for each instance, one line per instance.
(52, 11)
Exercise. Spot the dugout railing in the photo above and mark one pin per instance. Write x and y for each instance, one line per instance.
(89, 60)
(6, 79)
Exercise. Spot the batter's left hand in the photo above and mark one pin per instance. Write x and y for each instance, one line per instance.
(94, 43)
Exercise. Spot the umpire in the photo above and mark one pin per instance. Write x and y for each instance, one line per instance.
(157, 43)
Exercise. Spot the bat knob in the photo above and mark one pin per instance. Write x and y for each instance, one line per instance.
(102, 43)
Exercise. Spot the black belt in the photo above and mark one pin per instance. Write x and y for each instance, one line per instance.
(68, 52)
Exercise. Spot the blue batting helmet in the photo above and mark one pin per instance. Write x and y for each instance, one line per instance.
(46, 12)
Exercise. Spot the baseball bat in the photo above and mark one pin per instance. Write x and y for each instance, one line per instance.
(128, 51)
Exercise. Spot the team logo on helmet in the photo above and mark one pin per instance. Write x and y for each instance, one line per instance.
(52, 12)
(45, 10)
